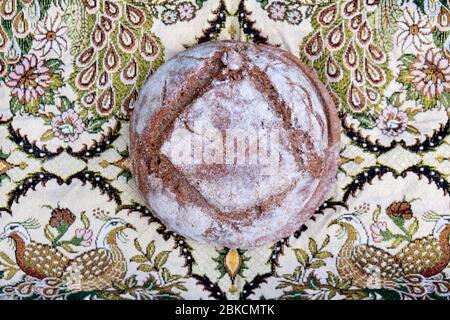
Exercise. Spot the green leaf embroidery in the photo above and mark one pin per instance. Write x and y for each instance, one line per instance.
(317, 264)
(66, 104)
(366, 120)
(10, 273)
(302, 256)
(413, 130)
(376, 213)
(396, 243)
(15, 105)
(413, 227)
(68, 248)
(54, 64)
(312, 281)
(47, 99)
(166, 275)
(47, 135)
(161, 259)
(49, 234)
(94, 125)
(139, 259)
(7, 259)
(137, 245)
(326, 241)
(150, 250)
(263, 3)
(324, 255)
(312, 246)
(406, 59)
(146, 268)
(25, 44)
(200, 3)
(85, 220)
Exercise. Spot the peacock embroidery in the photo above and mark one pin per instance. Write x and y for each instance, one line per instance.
(429, 255)
(99, 268)
(95, 269)
(35, 259)
(364, 264)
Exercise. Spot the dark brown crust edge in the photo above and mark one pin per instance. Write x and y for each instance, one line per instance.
(329, 171)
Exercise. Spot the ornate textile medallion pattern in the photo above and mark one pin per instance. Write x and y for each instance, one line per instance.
(73, 226)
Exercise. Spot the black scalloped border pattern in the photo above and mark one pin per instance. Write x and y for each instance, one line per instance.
(42, 177)
(30, 147)
(249, 26)
(430, 142)
(98, 181)
(185, 250)
(216, 24)
(97, 147)
(365, 177)
(213, 289)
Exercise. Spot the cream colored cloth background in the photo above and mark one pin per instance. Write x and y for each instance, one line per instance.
(69, 73)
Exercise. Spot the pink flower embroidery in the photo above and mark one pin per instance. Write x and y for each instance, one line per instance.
(67, 126)
(377, 229)
(186, 10)
(392, 121)
(277, 10)
(431, 74)
(85, 235)
(29, 79)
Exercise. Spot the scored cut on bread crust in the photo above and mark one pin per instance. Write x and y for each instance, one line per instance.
(234, 86)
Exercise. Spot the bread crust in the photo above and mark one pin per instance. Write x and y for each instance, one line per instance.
(220, 204)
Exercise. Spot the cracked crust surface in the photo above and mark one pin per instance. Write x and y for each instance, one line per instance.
(234, 86)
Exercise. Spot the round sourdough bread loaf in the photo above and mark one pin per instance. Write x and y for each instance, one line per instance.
(234, 144)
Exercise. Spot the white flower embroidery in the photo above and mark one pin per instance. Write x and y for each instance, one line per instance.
(415, 30)
(50, 36)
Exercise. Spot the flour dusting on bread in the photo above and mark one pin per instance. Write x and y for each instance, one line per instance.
(234, 144)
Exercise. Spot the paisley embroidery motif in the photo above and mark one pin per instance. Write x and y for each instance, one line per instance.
(68, 92)
(349, 39)
(121, 44)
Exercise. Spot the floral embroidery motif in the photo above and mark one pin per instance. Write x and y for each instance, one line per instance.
(291, 12)
(29, 79)
(169, 16)
(171, 12)
(439, 12)
(186, 11)
(392, 121)
(67, 126)
(414, 30)
(409, 267)
(345, 32)
(277, 10)
(65, 177)
(378, 230)
(50, 36)
(120, 54)
(426, 77)
(33, 83)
